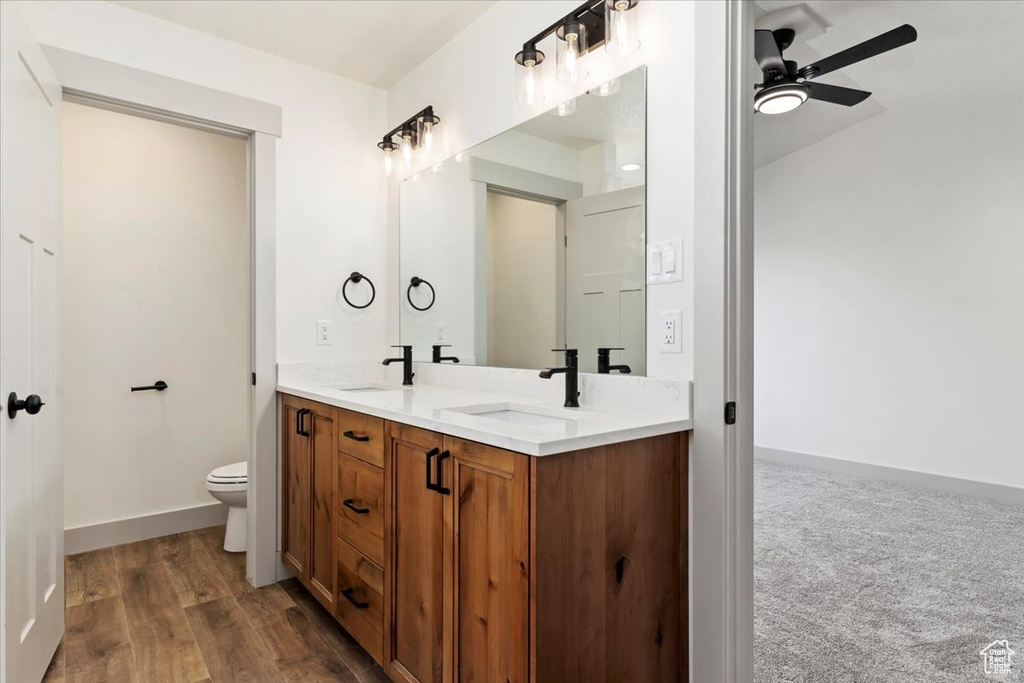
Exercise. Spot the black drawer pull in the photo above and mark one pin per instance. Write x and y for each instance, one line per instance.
(443, 490)
(352, 435)
(431, 486)
(359, 511)
(300, 424)
(347, 594)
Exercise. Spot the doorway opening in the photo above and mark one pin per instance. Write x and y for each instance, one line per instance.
(157, 321)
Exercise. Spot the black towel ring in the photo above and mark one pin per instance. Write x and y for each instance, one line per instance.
(358, 277)
(416, 282)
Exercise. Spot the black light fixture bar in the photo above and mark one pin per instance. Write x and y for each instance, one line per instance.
(590, 14)
(410, 122)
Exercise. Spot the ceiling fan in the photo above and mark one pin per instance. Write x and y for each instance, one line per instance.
(786, 85)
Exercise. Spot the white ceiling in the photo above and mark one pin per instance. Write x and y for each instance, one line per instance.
(374, 42)
(965, 51)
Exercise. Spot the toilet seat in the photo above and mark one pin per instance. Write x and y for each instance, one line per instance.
(235, 474)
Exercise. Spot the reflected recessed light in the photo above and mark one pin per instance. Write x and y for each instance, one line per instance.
(631, 167)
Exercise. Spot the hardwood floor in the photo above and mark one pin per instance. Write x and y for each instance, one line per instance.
(178, 609)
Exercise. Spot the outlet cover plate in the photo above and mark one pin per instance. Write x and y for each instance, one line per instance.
(323, 332)
(670, 330)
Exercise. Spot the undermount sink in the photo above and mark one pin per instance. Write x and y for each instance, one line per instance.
(363, 387)
(516, 413)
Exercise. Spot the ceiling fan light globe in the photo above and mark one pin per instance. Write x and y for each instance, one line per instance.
(780, 99)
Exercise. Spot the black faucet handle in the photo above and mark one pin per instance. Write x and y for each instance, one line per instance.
(401, 346)
(567, 352)
(604, 350)
(441, 346)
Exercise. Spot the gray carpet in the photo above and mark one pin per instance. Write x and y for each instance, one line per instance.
(862, 581)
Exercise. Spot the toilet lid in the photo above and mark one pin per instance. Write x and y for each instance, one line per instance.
(235, 472)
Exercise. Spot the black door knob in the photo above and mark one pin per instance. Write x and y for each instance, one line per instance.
(31, 405)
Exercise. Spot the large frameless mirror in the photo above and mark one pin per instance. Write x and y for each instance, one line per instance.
(534, 240)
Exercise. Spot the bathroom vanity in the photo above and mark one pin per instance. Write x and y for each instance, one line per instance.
(460, 536)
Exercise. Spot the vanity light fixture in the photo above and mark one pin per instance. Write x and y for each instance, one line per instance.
(419, 134)
(612, 23)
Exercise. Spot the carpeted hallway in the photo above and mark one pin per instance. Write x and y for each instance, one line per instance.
(862, 581)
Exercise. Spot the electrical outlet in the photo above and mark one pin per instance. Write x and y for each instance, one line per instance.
(439, 333)
(670, 329)
(323, 332)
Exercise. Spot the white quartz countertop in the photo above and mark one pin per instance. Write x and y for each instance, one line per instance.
(549, 427)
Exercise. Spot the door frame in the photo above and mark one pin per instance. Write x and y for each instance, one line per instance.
(722, 455)
(92, 81)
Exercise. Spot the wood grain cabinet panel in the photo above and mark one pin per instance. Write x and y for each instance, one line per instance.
(361, 599)
(296, 478)
(361, 507)
(324, 457)
(487, 562)
(414, 536)
(361, 436)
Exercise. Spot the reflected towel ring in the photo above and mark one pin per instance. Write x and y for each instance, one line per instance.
(358, 277)
(416, 282)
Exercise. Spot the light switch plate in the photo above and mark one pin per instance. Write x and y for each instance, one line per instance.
(670, 330)
(323, 332)
(665, 261)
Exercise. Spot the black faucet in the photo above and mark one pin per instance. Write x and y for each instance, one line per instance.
(407, 373)
(572, 377)
(438, 358)
(604, 357)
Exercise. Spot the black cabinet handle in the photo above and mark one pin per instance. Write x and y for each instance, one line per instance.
(443, 490)
(359, 511)
(347, 594)
(430, 454)
(355, 437)
(300, 422)
(159, 385)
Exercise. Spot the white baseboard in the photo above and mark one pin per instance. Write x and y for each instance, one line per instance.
(84, 538)
(937, 482)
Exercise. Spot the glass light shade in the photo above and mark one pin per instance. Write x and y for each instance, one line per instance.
(428, 134)
(529, 75)
(621, 27)
(389, 149)
(408, 143)
(606, 89)
(572, 46)
(565, 108)
(780, 99)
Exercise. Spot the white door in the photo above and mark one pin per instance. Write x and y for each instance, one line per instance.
(31, 473)
(605, 279)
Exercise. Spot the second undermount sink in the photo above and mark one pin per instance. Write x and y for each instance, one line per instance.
(362, 388)
(517, 413)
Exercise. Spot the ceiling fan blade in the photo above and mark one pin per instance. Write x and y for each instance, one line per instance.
(835, 94)
(869, 48)
(767, 53)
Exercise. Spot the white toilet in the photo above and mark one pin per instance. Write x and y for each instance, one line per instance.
(229, 485)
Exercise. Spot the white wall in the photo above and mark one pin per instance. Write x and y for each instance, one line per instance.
(890, 292)
(330, 202)
(470, 83)
(156, 286)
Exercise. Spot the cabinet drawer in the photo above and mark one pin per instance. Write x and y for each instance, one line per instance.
(361, 599)
(361, 506)
(361, 436)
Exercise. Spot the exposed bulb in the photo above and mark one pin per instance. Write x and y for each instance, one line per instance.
(428, 136)
(530, 82)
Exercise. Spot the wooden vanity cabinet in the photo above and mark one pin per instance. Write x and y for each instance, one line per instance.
(309, 466)
(456, 561)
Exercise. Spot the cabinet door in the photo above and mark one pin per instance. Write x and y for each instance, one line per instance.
(296, 472)
(414, 538)
(322, 566)
(487, 563)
